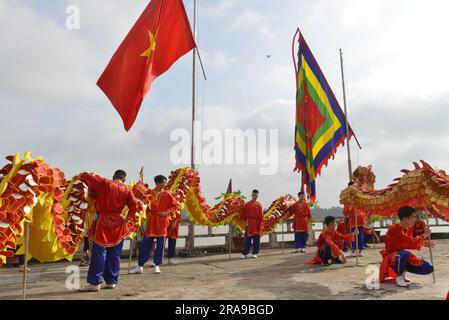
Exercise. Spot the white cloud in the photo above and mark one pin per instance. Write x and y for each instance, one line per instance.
(218, 10)
(219, 60)
(41, 60)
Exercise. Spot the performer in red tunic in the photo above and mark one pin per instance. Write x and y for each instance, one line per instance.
(329, 251)
(253, 214)
(300, 211)
(161, 206)
(396, 259)
(110, 229)
(172, 235)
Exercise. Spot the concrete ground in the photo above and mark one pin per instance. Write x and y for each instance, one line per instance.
(273, 275)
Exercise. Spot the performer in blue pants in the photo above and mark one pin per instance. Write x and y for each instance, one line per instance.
(111, 196)
(253, 215)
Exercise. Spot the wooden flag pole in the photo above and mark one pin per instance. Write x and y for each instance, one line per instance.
(27, 238)
(431, 253)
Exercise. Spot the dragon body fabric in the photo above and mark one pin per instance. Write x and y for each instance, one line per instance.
(423, 187)
(60, 211)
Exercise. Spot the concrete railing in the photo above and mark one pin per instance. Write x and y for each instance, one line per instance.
(206, 237)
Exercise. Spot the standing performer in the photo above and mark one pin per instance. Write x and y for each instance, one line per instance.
(396, 259)
(172, 235)
(110, 228)
(360, 216)
(300, 211)
(330, 243)
(253, 214)
(161, 205)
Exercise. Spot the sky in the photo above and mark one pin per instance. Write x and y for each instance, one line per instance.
(396, 65)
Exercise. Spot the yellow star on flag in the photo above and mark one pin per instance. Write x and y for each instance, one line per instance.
(152, 47)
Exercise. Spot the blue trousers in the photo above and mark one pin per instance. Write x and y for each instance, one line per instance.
(145, 249)
(171, 248)
(361, 238)
(300, 239)
(401, 264)
(247, 245)
(325, 253)
(104, 263)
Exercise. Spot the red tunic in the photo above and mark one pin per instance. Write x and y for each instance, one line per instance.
(397, 239)
(111, 198)
(253, 215)
(301, 212)
(172, 233)
(351, 214)
(335, 241)
(160, 202)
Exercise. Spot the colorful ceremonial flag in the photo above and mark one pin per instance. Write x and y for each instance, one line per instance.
(320, 123)
(161, 35)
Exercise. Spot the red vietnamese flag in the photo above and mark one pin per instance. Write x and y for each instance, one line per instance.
(161, 35)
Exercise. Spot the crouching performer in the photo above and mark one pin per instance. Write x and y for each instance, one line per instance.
(396, 259)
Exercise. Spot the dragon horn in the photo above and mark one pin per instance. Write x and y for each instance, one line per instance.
(426, 165)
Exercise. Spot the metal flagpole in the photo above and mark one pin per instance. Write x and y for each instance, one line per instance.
(346, 116)
(191, 241)
(431, 253)
(27, 238)
(349, 150)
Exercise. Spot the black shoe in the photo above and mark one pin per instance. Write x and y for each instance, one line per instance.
(367, 246)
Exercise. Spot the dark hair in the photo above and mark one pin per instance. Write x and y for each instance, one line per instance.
(405, 212)
(159, 179)
(255, 191)
(300, 193)
(350, 183)
(119, 174)
(328, 220)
